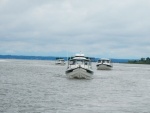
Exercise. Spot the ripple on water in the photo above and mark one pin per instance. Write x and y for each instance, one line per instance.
(41, 87)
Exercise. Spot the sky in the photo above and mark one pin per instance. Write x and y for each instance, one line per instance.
(96, 28)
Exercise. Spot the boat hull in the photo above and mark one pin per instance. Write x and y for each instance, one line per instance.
(104, 67)
(79, 73)
(62, 64)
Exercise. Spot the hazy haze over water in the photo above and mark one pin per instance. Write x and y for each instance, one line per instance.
(34, 86)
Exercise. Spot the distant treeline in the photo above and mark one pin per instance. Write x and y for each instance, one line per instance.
(27, 57)
(93, 59)
(141, 61)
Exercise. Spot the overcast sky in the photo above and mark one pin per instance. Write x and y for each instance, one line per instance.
(97, 28)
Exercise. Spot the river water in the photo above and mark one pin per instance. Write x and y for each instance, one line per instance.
(34, 86)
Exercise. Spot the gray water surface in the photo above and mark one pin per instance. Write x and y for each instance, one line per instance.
(34, 86)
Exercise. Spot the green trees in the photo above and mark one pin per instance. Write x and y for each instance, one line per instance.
(141, 61)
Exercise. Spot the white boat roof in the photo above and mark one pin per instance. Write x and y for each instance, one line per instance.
(79, 55)
(104, 59)
(82, 58)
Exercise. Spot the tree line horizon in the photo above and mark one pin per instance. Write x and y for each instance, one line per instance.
(141, 61)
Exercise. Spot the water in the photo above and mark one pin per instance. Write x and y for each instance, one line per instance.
(30, 86)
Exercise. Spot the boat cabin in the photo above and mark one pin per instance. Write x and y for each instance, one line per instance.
(104, 61)
(79, 59)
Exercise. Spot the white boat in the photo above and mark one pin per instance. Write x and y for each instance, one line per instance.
(60, 62)
(79, 67)
(104, 64)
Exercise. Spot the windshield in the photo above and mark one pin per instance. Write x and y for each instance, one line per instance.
(103, 61)
(80, 62)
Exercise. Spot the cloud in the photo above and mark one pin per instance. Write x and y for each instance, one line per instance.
(97, 28)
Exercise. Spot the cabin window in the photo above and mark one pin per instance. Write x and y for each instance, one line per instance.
(79, 62)
(72, 62)
(86, 63)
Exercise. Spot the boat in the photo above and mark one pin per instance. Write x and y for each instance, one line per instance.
(104, 64)
(60, 61)
(79, 67)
